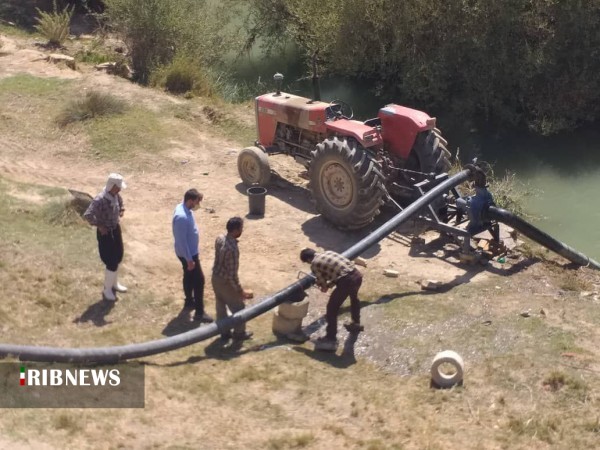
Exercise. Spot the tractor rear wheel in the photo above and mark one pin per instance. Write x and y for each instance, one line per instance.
(346, 183)
(429, 154)
(253, 166)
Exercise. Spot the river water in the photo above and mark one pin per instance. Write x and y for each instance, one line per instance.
(562, 171)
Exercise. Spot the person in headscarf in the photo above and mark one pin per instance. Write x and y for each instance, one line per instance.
(105, 212)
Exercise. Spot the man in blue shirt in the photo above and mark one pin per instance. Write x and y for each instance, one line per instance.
(478, 205)
(186, 237)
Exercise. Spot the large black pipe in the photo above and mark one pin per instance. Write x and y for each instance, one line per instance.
(293, 291)
(542, 238)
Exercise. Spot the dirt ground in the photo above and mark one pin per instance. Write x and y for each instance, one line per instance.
(270, 245)
(198, 157)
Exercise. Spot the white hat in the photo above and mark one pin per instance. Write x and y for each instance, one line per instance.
(114, 179)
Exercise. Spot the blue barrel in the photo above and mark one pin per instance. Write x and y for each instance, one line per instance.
(256, 200)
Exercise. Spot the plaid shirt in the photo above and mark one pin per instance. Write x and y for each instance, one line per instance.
(103, 211)
(329, 267)
(227, 260)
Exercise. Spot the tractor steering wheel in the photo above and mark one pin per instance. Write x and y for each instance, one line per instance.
(341, 110)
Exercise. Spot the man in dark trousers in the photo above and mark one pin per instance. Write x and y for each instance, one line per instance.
(478, 205)
(104, 213)
(185, 232)
(226, 284)
(332, 269)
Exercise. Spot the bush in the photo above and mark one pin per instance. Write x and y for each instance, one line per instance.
(503, 65)
(184, 75)
(155, 31)
(94, 104)
(54, 25)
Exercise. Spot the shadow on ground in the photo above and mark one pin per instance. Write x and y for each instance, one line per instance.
(96, 313)
(180, 323)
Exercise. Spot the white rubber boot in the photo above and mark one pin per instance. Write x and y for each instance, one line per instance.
(118, 287)
(109, 281)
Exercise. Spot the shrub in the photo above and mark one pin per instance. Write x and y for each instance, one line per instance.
(184, 75)
(94, 104)
(509, 193)
(155, 31)
(54, 25)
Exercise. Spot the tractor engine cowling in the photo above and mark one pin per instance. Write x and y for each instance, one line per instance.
(288, 109)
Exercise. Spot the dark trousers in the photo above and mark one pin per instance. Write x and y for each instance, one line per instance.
(345, 287)
(193, 284)
(110, 247)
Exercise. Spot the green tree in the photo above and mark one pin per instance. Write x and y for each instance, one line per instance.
(156, 30)
(498, 63)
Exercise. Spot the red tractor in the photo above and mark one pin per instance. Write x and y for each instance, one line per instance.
(353, 166)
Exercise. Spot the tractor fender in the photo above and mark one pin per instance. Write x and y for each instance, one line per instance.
(400, 127)
(367, 136)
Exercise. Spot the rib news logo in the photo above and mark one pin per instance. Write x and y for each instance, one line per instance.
(72, 385)
(69, 377)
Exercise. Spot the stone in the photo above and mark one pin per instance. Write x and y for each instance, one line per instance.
(391, 273)
(430, 285)
(58, 58)
(360, 262)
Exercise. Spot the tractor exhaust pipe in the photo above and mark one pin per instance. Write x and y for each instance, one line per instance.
(278, 78)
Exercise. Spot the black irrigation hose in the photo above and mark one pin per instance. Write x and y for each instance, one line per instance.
(542, 238)
(293, 291)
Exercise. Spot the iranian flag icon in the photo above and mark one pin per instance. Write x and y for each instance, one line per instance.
(22, 376)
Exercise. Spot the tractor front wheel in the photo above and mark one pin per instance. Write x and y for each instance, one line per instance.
(346, 183)
(253, 166)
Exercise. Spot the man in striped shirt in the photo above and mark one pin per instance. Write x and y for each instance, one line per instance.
(332, 269)
(226, 284)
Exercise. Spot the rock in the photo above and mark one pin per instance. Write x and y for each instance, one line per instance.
(391, 273)
(116, 68)
(360, 261)
(525, 314)
(58, 58)
(430, 285)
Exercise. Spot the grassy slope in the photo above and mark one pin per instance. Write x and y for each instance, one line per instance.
(519, 391)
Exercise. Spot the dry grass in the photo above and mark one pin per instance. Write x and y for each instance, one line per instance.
(517, 392)
(93, 105)
(520, 389)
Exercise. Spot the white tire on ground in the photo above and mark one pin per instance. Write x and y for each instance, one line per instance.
(446, 380)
